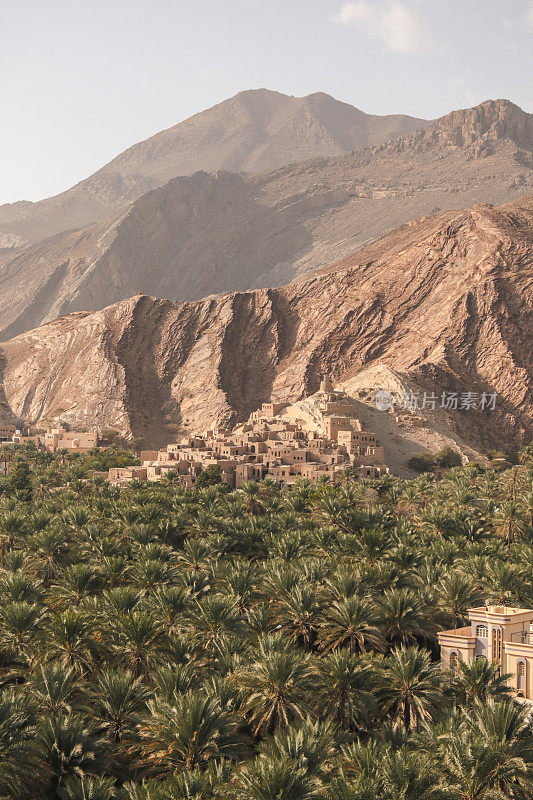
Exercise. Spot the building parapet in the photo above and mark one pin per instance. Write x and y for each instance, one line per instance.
(502, 634)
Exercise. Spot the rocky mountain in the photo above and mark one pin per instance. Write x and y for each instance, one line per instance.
(479, 128)
(253, 131)
(210, 233)
(445, 302)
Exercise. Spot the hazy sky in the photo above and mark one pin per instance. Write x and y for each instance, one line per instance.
(80, 80)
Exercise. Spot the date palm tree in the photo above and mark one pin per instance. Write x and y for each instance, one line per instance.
(526, 505)
(171, 680)
(408, 776)
(211, 618)
(478, 680)
(504, 582)
(401, 617)
(489, 754)
(12, 526)
(508, 723)
(274, 779)
(455, 593)
(117, 702)
(138, 641)
(309, 745)
(186, 733)
(53, 689)
(343, 583)
(19, 757)
(252, 495)
(149, 573)
(48, 550)
(351, 623)
(336, 510)
(17, 587)
(196, 784)
(509, 521)
(299, 615)
(290, 545)
(240, 580)
(170, 604)
(89, 787)
(67, 749)
(69, 637)
(343, 690)
(78, 581)
(343, 787)
(274, 688)
(19, 627)
(409, 687)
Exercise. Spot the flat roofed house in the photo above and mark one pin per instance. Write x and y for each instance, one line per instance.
(120, 476)
(501, 634)
(331, 426)
(148, 456)
(60, 439)
(354, 439)
(20, 438)
(6, 433)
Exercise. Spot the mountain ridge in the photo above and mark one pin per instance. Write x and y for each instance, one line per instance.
(213, 232)
(446, 301)
(252, 131)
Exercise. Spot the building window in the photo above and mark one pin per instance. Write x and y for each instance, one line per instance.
(521, 676)
(497, 644)
(482, 632)
(454, 661)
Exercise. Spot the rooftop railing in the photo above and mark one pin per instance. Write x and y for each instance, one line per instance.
(522, 637)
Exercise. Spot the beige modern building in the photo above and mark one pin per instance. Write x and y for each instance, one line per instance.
(497, 633)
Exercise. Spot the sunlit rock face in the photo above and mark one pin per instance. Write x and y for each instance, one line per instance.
(223, 232)
(444, 301)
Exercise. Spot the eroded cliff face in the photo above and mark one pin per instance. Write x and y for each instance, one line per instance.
(446, 300)
(211, 233)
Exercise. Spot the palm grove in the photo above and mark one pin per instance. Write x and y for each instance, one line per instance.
(158, 643)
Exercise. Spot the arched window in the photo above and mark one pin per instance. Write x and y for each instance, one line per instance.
(521, 676)
(497, 644)
(481, 631)
(454, 661)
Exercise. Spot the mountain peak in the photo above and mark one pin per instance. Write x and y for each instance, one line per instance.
(255, 130)
(260, 91)
(486, 116)
(489, 121)
(260, 95)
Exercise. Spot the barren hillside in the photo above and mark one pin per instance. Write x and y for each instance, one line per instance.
(253, 131)
(446, 302)
(211, 233)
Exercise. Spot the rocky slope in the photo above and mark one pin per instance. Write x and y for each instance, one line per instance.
(255, 130)
(445, 301)
(403, 433)
(210, 233)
